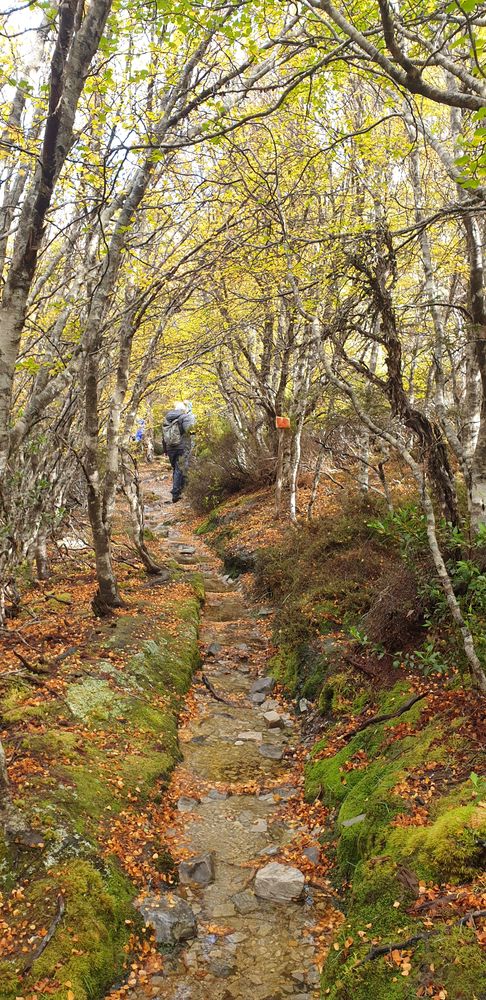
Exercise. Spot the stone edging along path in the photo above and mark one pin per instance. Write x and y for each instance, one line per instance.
(252, 913)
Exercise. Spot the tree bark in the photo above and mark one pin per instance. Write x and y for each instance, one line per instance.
(432, 448)
(477, 307)
(72, 57)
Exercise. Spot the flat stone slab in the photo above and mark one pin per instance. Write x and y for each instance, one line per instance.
(269, 851)
(271, 750)
(199, 869)
(279, 883)
(222, 967)
(171, 918)
(313, 854)
(223, 910)
(186, 805)
(251, 735)
(270, 705)
(260, 826)
(354, 820)
(214, 793)
(245, 902)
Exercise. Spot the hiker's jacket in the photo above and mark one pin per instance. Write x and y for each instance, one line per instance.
(186, 423)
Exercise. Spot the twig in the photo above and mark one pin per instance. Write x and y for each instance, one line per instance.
(22, 659)
(385, 949)
(34, 668)
(429, 904)
(471, 916)
(358, 666)
(63, 656)
(32, 679)
(218, 697)
(383, 718)
(320, 888)
(47, 937)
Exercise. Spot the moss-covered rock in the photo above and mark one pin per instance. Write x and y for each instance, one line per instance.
(93, 697)
(86, 949)
(452, 844)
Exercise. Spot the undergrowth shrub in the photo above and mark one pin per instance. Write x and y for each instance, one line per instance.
(320, 577)
(219, 468)
(405, 529)
(396, 613)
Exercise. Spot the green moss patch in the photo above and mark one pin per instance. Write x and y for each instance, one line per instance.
(108, 743)
(366, 782)
(86, 948)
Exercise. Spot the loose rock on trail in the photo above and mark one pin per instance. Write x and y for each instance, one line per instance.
(236, 816)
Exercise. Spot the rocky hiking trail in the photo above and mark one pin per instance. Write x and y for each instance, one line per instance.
(252, 913)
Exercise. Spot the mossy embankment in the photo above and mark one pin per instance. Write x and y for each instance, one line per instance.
(91, 744)
(407, 823)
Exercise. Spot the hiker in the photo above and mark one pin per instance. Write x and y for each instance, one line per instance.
(177, 440)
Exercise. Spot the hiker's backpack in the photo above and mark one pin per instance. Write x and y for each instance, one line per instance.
(172, 434)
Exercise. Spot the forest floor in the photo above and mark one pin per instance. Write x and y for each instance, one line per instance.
(381, 817)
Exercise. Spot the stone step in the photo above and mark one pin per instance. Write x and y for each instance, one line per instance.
(215, 584)
(225, 609)
(234, 634)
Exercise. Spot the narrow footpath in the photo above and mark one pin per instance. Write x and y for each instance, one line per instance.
(249, 919)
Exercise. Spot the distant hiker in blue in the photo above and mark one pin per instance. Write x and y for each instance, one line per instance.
(177, 438)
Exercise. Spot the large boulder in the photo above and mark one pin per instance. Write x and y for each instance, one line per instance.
(199, 869)
(171, 918)
(279, 883)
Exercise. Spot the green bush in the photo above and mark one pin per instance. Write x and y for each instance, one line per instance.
(218, 470)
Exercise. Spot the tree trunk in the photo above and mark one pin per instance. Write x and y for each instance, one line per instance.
(41, 560)
(315, 483)
(283, 450)
(432, 448)
(131, 489)
(477, 307)
(107, 596)
(72, 56)
(295, 455)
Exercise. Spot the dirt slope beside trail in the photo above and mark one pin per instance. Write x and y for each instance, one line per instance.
(236, 807)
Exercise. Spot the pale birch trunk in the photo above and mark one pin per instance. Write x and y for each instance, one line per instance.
(433, 297)
(478, 313)
(41, 560)
(131, 489)
(112, 461)
(315, 483)
(283, 458)
(365, 438)
(295, 456)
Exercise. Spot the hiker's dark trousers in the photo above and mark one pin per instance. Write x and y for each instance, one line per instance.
(179, 460)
